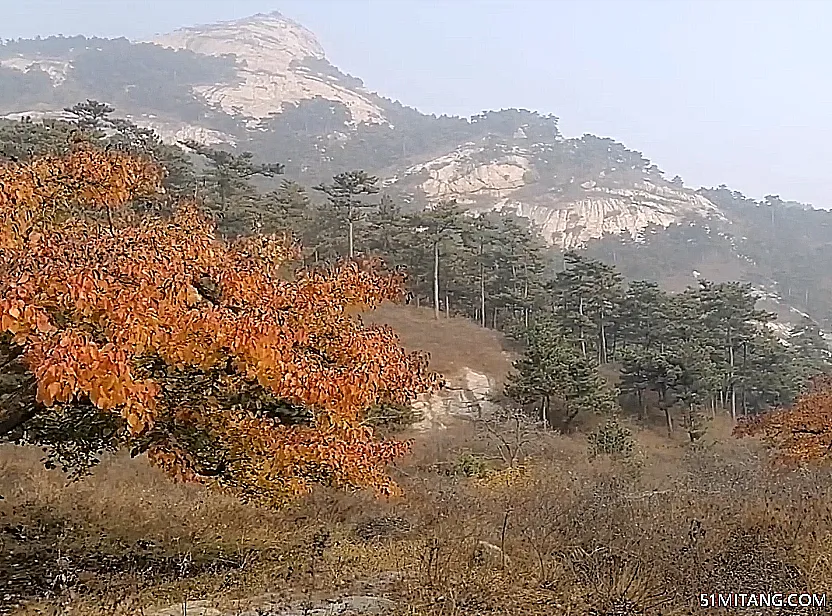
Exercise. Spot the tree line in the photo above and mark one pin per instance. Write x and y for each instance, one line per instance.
(689, 354)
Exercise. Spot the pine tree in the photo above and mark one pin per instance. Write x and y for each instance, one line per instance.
(556, 378)
(346, 195)
(479, 237)
(729, 314)
(438, 227)
(587, 292)
(230, 196)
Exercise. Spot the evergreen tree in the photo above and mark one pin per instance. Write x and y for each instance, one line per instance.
(438, 228)
(387, 233)
(641, 318)
(587, 292)
(346, 195)
(730, 315)
(91, 115)
(810, 347)
(230, 195)
(480, 236)
(556, 379)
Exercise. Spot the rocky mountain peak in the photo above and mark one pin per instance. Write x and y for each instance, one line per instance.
(279, 62)
(263, 40)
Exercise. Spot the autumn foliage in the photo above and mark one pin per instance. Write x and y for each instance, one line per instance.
(194, 347)
(800, 433)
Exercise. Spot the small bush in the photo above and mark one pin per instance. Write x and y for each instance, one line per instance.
(470, 465)
(611, 438)
(393, 418)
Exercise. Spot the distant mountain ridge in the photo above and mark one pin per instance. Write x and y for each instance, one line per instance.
(275, 72)
(264, 84)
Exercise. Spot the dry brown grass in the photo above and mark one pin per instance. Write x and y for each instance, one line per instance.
(453, 343)
(646, 535)
(564, 534)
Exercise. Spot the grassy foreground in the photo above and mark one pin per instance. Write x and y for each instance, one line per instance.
(561, 535)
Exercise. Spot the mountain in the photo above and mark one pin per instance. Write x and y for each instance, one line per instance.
(279, 62)
(263, 84)
(613, 191)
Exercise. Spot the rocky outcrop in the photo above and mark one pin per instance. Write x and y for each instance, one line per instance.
(57, 69)
(268, 49)
(465, 396)
(503, 177)
(458, 176)
(174, 132)
(280, 63)
(604, 211)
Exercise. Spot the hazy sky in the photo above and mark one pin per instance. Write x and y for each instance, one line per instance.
(718, 91)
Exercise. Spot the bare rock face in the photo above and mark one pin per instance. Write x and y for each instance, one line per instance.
(502, 177)
(56, 69)
(466, 395)
(459, 176)
(267, 48)
(175, 132)
(280, 63)
(603, 211)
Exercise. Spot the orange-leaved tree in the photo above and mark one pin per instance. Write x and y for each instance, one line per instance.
(152, 334)
(799, 433)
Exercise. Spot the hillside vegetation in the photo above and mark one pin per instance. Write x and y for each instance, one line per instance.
(584, 193)
(451, 343)
(224, 415)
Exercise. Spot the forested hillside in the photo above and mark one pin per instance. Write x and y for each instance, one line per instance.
(585, 193)
(216, 309)
(190, 307)
(706, 347)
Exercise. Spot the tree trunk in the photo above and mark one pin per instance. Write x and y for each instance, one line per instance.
(436, 280)
(567, 422)
(482, 289)
(16, 418)
(744, 360)
(692, 432)
(352, 252)
(581, 312)
(733, 389)
(603, 345)
(17, 412)
(447, 306)
(666, 408)
(733, 403)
